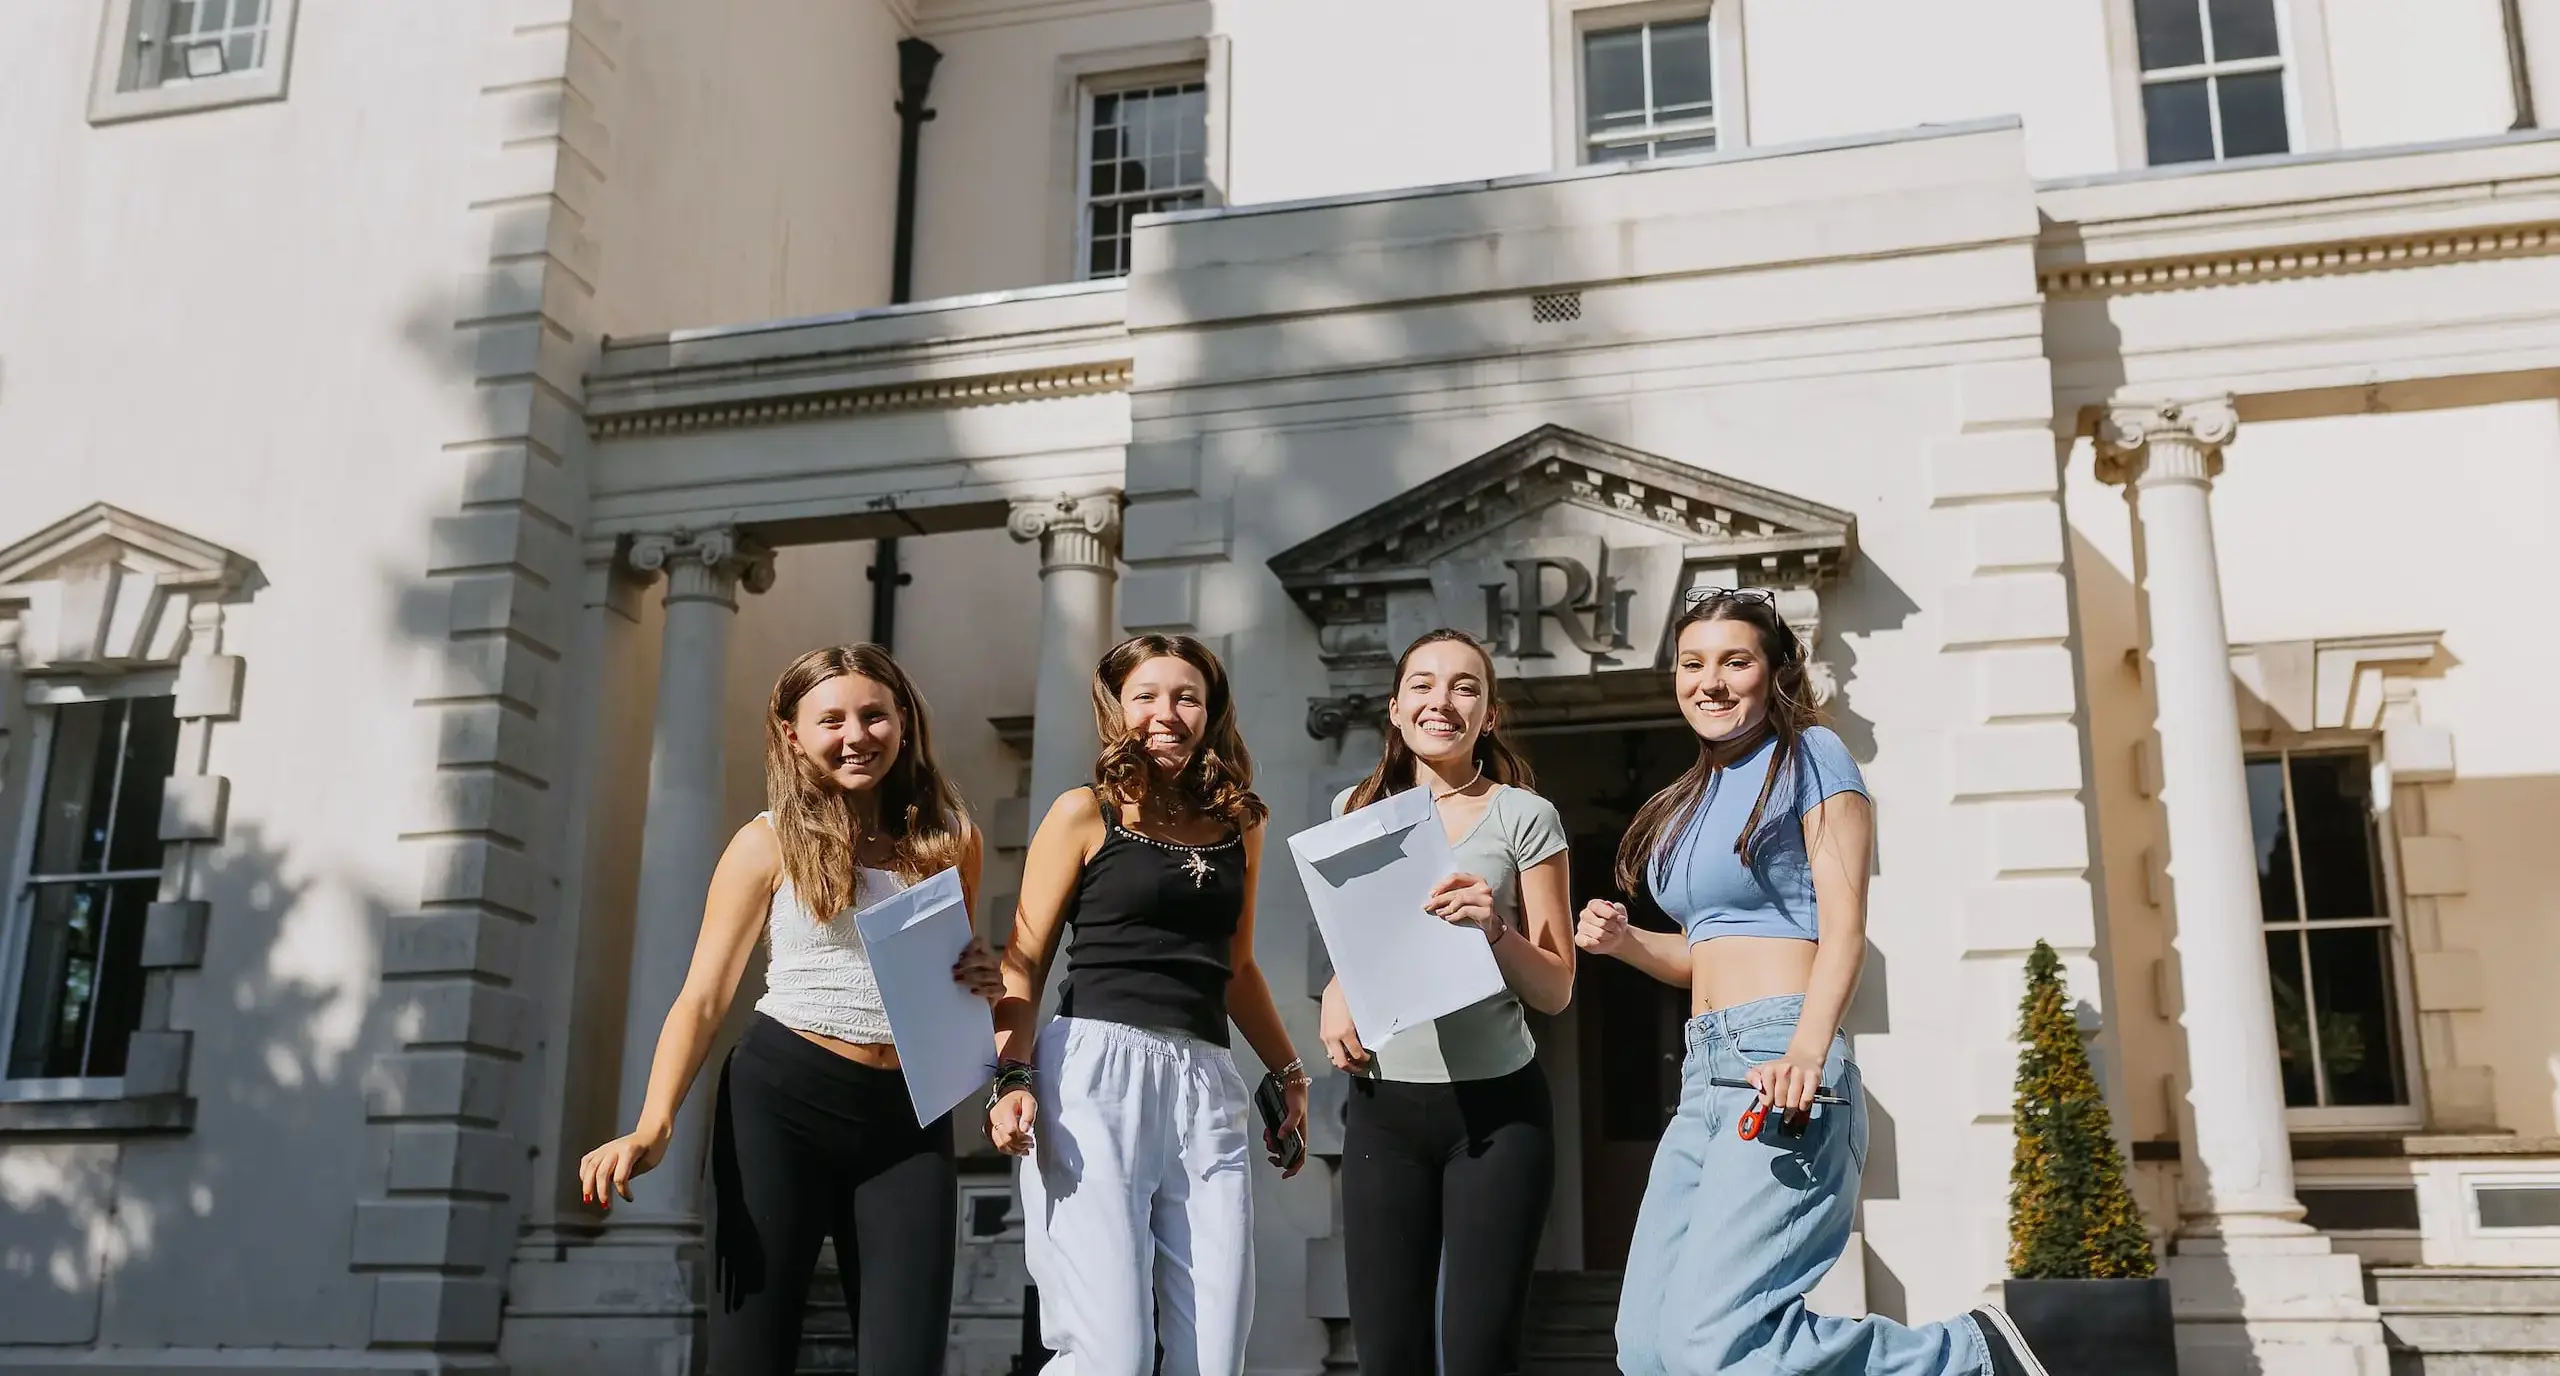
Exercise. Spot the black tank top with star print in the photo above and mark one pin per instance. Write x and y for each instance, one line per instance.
(1153, 925)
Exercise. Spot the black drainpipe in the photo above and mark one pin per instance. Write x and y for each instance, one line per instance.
(916, 61)
(2519, 71)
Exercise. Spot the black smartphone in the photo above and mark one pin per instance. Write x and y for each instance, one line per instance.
(1290, 1152)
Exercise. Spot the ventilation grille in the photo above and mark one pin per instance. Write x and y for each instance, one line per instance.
(1546, 308)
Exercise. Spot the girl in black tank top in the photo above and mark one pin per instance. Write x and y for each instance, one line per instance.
(1137, 1203)
(1154, 924)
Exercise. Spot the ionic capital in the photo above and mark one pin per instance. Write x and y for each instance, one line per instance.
(2157, 442)
(707, 565)
(1074, 532)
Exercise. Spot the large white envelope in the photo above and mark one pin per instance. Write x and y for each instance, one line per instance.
(1367, 874)
(946, 1035)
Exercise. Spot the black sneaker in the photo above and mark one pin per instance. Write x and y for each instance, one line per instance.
(2010, 1355)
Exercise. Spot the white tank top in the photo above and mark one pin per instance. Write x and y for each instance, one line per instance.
(817, 977)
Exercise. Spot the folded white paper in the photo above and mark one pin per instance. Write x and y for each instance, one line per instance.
(1366, 875)
(945, 1034)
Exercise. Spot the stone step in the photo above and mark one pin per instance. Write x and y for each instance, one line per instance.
(1572, 1324)
(2467, 1288)
(2495, 1331)
(2470, 1321)
(2410, 1363)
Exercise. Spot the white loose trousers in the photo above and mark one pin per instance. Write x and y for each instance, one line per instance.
(1138, 1202)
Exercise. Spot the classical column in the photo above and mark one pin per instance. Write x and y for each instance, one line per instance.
(680, 841)
(1079, 539)
(2257, 1290)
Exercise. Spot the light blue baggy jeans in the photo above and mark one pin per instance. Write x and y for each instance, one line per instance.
(1733, 1232)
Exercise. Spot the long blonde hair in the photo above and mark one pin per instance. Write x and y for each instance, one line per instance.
(915, 808)
(1219, 779)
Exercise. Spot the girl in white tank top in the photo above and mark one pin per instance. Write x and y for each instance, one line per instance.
(814, 1136)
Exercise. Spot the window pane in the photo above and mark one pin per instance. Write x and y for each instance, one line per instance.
(1104, 224)
(2340, 878)
(2268, 840)
(2243, 28)
(150, 752)
(59, 983)
(2293, 1026)
(1106, 110)
(2346, 1209)
(1683, 74)
(1622, 152)
(2518, 1206)
(1613, 79)
(2170, 33)
(79, 779)
(2253, 115)
(2177, 122)
(2351, 990)
(118, 1000)
(1704, 143)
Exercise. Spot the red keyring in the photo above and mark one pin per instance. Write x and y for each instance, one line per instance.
(1748, 1126)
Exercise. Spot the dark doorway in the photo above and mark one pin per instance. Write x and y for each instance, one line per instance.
(1629, 1024)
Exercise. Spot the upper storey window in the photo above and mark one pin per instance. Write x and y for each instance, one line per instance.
(2213, 79)
(1648, 90)
(159, 57)
(1146, 149)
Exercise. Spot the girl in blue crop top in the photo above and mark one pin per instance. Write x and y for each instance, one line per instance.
(1760, 851)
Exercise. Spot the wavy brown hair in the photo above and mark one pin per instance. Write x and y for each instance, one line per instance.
(1395, 772)
(916, 810)
(1218, 780)
(1658, 825)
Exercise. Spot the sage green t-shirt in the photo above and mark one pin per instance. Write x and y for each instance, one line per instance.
(1490, 1039)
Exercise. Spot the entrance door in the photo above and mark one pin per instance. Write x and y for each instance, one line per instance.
(1628, 1023)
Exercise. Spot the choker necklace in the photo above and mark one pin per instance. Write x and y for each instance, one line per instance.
(1436, 795)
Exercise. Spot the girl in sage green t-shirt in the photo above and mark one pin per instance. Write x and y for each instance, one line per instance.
(1448, 1150)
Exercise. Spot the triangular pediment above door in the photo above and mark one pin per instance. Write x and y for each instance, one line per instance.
(1594, 539)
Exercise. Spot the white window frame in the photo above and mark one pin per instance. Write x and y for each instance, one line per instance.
(2393, 922)
(1570, 20)
(112, 101)
(15, 911)
(2302, 52)
(1077, 79)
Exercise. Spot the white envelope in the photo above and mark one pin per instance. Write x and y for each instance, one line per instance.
(945, 1034)
(1366, 875)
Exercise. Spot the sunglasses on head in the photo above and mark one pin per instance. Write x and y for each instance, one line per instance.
(1696, 595)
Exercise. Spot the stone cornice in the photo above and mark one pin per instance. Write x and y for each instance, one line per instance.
(2299, 260)
(2277, 219)
(984, 389)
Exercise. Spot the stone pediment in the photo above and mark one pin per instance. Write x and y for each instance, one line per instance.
(1770, 538)
(1565, 554)
(104, 589)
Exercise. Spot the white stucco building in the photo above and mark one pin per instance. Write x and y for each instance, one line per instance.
(426, 429)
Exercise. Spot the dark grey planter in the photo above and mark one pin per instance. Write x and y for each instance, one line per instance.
(2096, 1327)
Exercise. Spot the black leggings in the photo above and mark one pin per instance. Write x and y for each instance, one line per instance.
(807, 1145)
(1444, 1188)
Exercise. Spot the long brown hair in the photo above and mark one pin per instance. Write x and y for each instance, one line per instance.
(915, 808)
(1659, 823)
(1218, 781)
(1395, 771)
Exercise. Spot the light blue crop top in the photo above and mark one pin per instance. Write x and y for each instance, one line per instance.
(1705, 886)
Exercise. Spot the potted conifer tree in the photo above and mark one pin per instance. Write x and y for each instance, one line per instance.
(2083, 1285)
